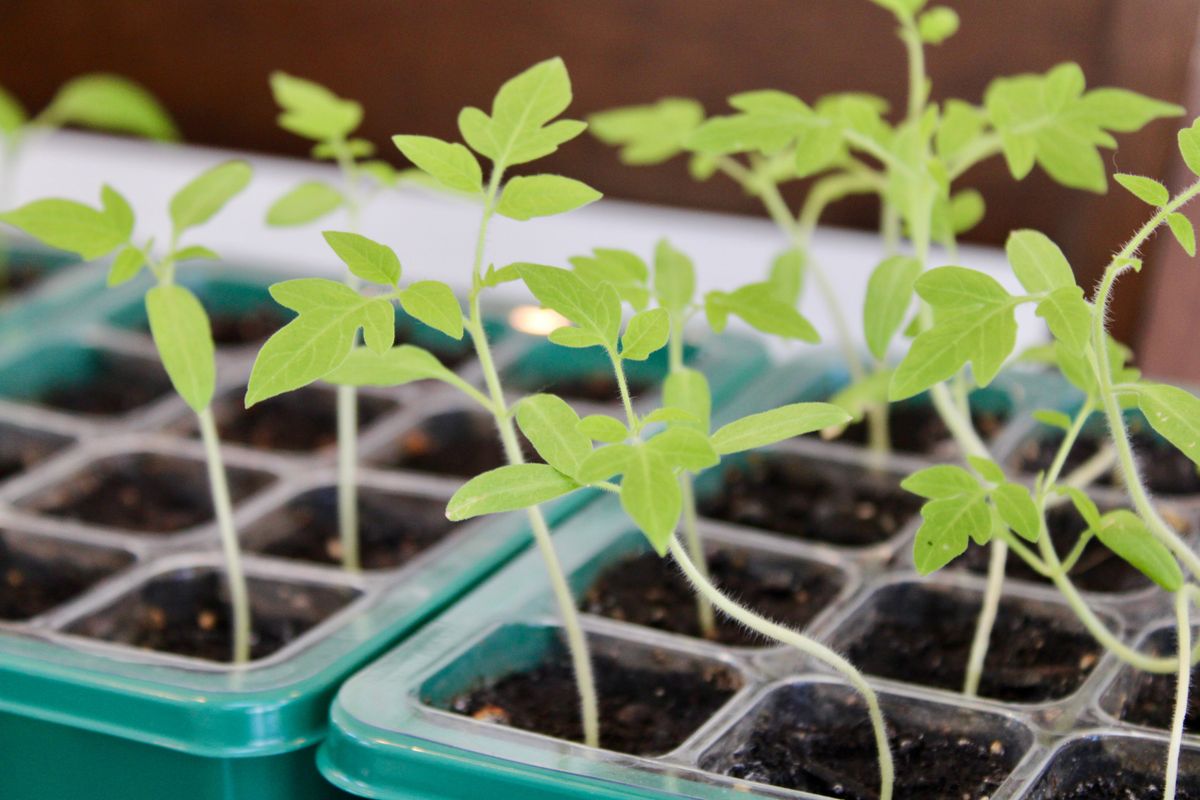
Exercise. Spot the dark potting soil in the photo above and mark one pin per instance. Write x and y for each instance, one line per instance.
(796, 497)
(393, 528)
(300, 421)
(1092, 769)
(1164, 469)
(19, 276)
(21, 448)
(1150, 699)
(460, 443)
(826, 746)
(37, 573)
(923, 634)
(117, 384)
(648, 590)
(917, 428)
(188, 613)
(143, 492)
(597, 387)
(642, 711)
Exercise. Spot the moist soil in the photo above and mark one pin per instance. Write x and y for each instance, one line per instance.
(924, 636)
(917, 428)
(143, 493)
(1150, 699)
(19, 451)
(801, 499)
(117, 385)
(1119, 784)
(459, 443)
(1087, 770)
(835, 755)
(191, 616)
(35, 579)
(301, 421)
(642, 711)
(596, 387)
(1164, 469)
(648, 590)
(393, 528)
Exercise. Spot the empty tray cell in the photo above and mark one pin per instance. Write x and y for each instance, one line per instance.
(143, 493)
(817, 737)
(394, 527)
(38, 573)
(82, 379)
(651, 698)
(922, 632)
(807, 499)
(186, 612)
(22, 447)
(1144, 698)
(460, 443)
(1111, 767)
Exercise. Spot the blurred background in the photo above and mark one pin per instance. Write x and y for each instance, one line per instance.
(414, 64)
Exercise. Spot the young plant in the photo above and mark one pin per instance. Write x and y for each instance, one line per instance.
(319, 344)
(313, 112)
(654, 456)
(178, 322)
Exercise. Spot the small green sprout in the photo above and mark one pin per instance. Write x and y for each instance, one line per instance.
(178, 322)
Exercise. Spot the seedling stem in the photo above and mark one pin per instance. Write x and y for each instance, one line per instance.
(223, 509)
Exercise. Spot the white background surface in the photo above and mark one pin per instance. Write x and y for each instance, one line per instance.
(434, 234)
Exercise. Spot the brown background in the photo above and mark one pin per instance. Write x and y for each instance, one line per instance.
(413, 64)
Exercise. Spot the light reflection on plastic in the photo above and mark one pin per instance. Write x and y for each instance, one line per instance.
(537, 321)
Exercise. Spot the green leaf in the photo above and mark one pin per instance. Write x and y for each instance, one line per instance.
(1068, 315)
(12, 113)
(646, 333)
(946, 527)
(817, 149)
(508, 489)
(568, 336)
(603, 428)
(1085, 505)
(967, 209)
(379, 325)
(787, 275)
(943, 480)
(69, 225)
(674, 277)
(1053, 418)
(126, 265)
(961, 124)
(669, 415)
(552, 427)
(312, 111)
(399, 365)
(206, 194)
(110, 103)
(1124, 111)
(605, 462)
(1018, 510)
(651, 496)
(686, 448)
(687, 389)
(987, 468)
(1145, 189)
(858, 396)
(451, 164)
(434, 303)
(937, 24)
(768, 427)
(648, 134)
(1125, 534)
(762, 310)
(117, 209)
(889, 296)
(526, 197)
(626, 272)
(369, 260)
(1038, 262)
(1185, 234)
(596, 311)
(1174, 413)
(181, 332)
(959, 288)
(354, 148)
(1189, 146)
(307, 202)
(771, 120)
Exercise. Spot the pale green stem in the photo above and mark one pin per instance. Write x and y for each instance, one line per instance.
(223, 510)
(577, 644)
(807, 646)
(347, 466)
(1183, 680)
(987, 617)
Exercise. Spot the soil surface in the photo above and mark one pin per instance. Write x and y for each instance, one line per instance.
(188, 613)
(917, 428)
(393, 528)
(1150, 699)
(19, 277)
(642, 711)
(802, 499)
(117, 384)
(923, 636)
(38, 574)
(1087, 771)
(829, 749)
(461, 443)
(1164, 469)
(20, 450)
(143, 493)
(648, 590)
(301, 421)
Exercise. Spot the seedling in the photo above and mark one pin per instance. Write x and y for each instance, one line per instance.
(178, 322)
(315, 113)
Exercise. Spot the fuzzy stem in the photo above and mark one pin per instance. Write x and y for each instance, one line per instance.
(577, 644)
(1183, 632)
(347, 467)
(223, 510)
(807, 646)
(997, 560)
